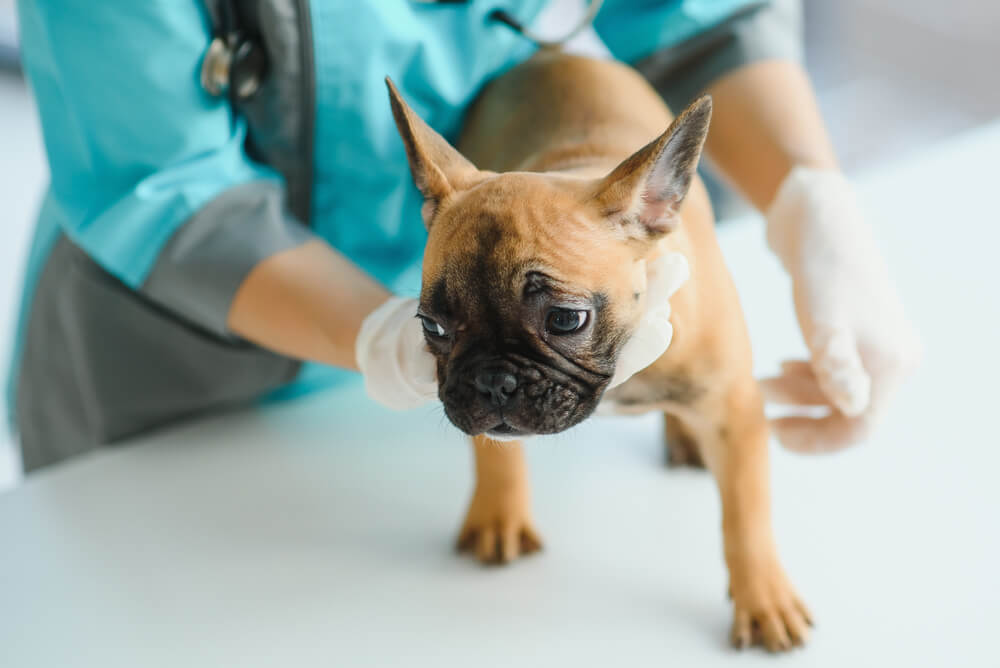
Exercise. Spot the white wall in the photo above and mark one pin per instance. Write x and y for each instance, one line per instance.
(23, 175)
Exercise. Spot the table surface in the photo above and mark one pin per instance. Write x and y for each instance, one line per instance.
(318, 532)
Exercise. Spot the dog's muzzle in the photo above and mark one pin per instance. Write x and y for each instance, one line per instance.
(504, 398)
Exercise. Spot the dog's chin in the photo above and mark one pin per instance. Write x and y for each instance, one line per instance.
(505, 432)
(512, 425)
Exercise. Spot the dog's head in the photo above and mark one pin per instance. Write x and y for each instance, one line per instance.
(532, 282)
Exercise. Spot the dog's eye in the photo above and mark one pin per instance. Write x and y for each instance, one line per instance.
(432, 327)
(565, 321)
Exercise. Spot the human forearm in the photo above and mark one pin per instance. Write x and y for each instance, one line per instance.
(307, 302)
(766, 121)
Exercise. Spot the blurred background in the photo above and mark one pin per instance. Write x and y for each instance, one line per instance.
(893, 76)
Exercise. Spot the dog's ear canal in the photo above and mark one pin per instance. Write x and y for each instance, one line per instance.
(645, 192)
(438, 169)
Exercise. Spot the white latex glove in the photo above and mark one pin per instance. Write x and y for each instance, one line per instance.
(664, 276)
(852, 321)
(392, 354)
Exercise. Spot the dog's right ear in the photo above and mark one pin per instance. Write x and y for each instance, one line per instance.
(438, 169)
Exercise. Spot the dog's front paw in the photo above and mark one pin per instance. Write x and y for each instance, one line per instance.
(498, 526)
(766, 609)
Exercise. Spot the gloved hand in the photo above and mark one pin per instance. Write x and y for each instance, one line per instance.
(852, 321)
(400, 373)
(664, 276)
(392, 354)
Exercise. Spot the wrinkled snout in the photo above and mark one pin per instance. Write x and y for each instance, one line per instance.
(512, 397)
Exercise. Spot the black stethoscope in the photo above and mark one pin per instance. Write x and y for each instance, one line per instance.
(236, 63)
(503, 16)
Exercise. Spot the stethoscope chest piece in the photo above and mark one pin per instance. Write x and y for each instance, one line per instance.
(236, 70)
(215, 68)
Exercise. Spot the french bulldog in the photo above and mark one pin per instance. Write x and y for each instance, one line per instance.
(540, 229)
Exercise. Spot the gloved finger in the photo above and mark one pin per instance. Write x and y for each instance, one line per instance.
(650, 341)
(819, 435)
(419, 364)
(665, 275)
(839, 370)
(793, 389)
(393, 358)
(797, 367)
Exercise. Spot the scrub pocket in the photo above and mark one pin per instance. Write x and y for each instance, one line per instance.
(102, 363)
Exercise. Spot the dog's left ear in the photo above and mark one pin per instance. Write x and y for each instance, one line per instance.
(644, 193)
(438, 168)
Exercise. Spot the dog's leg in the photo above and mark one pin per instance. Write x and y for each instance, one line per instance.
(498, 526)
(681, 446)
(732, 436)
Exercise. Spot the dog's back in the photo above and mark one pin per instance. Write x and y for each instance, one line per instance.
(557, 111)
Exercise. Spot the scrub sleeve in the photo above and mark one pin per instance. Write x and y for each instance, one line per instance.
(154, 215)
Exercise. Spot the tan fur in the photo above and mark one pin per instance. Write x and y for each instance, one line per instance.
(575, 119)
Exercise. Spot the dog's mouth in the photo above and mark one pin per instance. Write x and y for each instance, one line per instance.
(506, 431)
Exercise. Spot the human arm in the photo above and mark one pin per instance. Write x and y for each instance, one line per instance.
(307, 302)
(765, 121)
(151, 178)
(768, 139)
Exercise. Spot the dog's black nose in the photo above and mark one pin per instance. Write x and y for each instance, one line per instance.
(498, 385)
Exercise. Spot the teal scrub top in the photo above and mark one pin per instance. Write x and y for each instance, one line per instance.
(127, 174)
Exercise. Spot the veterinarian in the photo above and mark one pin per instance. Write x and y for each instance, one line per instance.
(229, 196)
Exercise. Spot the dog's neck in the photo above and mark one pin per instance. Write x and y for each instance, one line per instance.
(576, 157)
